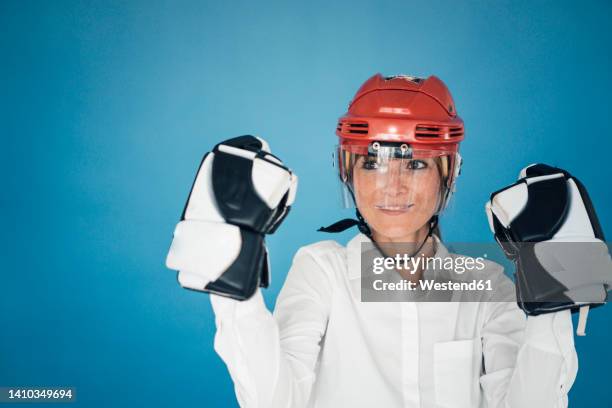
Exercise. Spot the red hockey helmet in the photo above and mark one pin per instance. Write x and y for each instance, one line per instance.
(401, 117)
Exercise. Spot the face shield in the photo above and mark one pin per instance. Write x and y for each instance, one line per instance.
(396, 178)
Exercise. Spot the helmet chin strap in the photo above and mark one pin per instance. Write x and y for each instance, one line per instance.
(433, 223)
(365, 229)
(347, 223)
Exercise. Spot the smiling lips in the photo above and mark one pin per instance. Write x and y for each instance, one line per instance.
(394, 209)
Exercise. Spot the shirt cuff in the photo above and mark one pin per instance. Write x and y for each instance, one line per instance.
(228, 308)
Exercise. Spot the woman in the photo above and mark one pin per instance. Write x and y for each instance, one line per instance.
(325, 347)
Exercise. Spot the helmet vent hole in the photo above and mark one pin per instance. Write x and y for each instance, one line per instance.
(428, 132)
(455, 132)
(354, 128)
(437, 132)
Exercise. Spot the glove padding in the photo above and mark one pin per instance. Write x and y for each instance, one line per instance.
(240, 193)
(546, 224)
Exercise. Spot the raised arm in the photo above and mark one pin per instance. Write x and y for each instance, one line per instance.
(528, 361)
(272, 358)
(547, 225)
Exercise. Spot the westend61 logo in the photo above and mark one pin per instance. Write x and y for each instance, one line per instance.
(474, 272)
(411, 265)
(435, 274)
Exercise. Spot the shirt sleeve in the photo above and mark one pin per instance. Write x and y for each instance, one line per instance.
(528, 361)
(272, 357)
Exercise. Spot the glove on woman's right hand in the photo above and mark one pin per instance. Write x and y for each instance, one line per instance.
(240, 193)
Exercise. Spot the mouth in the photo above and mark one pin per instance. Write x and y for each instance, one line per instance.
(394, 209)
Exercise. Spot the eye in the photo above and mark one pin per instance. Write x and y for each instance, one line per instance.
(370, 164)
(416, 164)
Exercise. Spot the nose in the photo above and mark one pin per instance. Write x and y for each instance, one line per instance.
(395, 183)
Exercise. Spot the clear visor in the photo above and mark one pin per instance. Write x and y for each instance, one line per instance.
(396, 178)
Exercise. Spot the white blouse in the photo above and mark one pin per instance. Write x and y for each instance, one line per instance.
(323, 347)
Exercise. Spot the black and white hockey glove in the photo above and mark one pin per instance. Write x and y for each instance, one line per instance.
(240, 193)
(546, 224)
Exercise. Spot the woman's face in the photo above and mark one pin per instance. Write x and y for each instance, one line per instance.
(396, 197)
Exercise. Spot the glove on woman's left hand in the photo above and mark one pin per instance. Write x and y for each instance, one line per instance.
(546, 224)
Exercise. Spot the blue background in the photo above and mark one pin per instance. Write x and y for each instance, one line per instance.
(107, 107)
